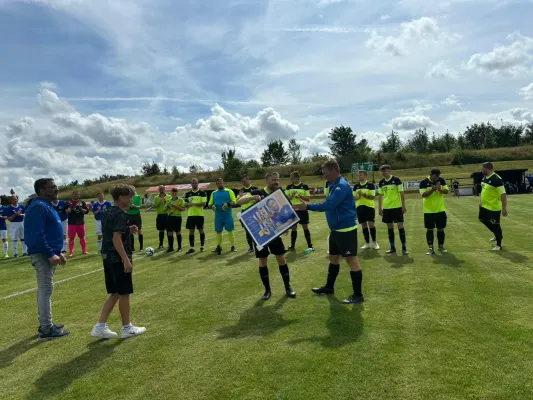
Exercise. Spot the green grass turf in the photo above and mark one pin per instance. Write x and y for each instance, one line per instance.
(454, 326)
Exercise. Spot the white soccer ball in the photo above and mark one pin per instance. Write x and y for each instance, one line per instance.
(150, 251)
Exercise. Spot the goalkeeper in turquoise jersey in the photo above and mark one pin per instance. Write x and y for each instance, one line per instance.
(221, 201)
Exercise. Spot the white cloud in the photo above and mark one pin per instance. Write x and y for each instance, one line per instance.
(384, 17)
(441, 70)
(522, 114)
(407, 122)
(527, 92)
(513, 59)
(452, 100)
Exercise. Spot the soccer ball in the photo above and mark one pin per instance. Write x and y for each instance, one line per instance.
(150, 251)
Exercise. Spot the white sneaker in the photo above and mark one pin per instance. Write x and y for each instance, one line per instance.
(493, 239)
(130, 331)
(366, 246)
(103, 332)
(496, 248)
(376, 246)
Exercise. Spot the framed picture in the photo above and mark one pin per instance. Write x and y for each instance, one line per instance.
(269, 218)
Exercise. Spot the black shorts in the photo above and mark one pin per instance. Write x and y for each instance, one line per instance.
(116, 280)
(490, 216)
(275, 247)
(135, 220)
(343, 243)
(195, 222)
(435, 220)
(366, 214)
(304, 217)
(161, 222)
(392, 215)
(173, 224)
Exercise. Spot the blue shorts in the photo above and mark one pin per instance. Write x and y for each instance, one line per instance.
(224, 220)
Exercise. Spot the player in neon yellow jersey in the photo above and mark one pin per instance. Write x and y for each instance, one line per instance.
(160, 202)
(174, 208)
(298, 192)
(433, 189)
(247, 188)
(364, 193)
(195, 201)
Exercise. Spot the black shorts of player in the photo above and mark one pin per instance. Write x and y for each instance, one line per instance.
(366, 214)
(116, 280)
(161, 222)
(135, 220)
(343, 244)
(435, 220)
(490, 216)
(173, 224)
(275, 247)
(392, 215)
(195, 222)
(304, 217)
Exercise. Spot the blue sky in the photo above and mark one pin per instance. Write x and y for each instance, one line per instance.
(180, 81)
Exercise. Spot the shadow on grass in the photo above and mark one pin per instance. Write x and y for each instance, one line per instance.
(345, 325)
(242, 257)
(398, 260)
(7, 356)
(260, 320)
(512, 256)
(369, 255)
(57, 379)
(448, 259)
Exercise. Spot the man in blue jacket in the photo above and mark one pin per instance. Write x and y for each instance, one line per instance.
(44, 238)
(341, 216)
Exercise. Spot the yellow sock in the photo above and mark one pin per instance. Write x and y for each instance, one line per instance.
(219, 239)
(231, 237)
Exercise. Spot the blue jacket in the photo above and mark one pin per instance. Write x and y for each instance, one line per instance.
(43, 231)
(339, 205)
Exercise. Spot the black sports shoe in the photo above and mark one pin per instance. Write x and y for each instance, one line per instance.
(391, 250)
(54, 333)
(442, 249)
(170, 250)
(290, 292)
(267, 295)
(160, 247)
(190, 251)
(218, 250)
(58, 326)
(404, 251)
(233, 249)
(323, 290)
(290, 248)
(353, 300)
(430, 252)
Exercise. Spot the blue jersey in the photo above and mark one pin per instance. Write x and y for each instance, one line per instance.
(60, 209)
(102, 207)
(3, 224)
(10, 210)
(284, 215)
(220, 197)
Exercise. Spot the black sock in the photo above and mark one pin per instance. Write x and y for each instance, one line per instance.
(333, 271)
(191, 240)
(357, 280)
(284, 271)
(263, 273)
(497, 229)
(132, 242)
(307, 235)
(373, 233)
(161, 238)
(294, 235)
(179, 241)
(441, 236)
(391, 238)
(141, 242)
(170, 242)
(249, 240)
(366, 234)
(202, 239)
(430, 237)
(402, 237)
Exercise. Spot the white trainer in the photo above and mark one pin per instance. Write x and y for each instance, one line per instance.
(496, 248)
(103, 332)
(366, 246)
(130, 331)
(492, 239)
(376, 246)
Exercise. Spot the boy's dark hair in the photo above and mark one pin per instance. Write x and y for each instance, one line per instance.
(362, 171)
(384, 167)
(41, 184)
(219, 179)
(488, 165)
(175, 190)
(122, 190)
(332, 165)
(435, 171)
(98, 193)
(295, 174)
(244, 176)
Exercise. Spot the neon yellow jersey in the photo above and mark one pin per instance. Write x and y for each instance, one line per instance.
(326, 189)
(161, 202)
(390, 189)
(246, 191)
(367, 188)
(300, 189)
(172, 205)
(136, 201)
(492, 189)
(434, 203)
(199, 198)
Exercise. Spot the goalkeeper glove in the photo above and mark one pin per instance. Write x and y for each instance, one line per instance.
(213, 207)
(224, 207)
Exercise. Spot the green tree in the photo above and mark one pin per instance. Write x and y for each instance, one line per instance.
(479, 136)
(148, 169)
(194, 168)
(231, 165)
(508, 135)
(419, 143)
(343, 142)
(527, 138)
(252, 164)
(275, 154)
(392, 143)
(295, 155)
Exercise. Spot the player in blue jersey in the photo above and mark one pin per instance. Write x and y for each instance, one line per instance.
(221, 201)
(3, 231)
(15, 215)
(98, 208)
(60, 207)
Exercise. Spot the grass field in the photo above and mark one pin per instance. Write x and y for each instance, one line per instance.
(456, 326)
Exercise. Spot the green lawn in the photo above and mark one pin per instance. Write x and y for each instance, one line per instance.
(456, 326)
